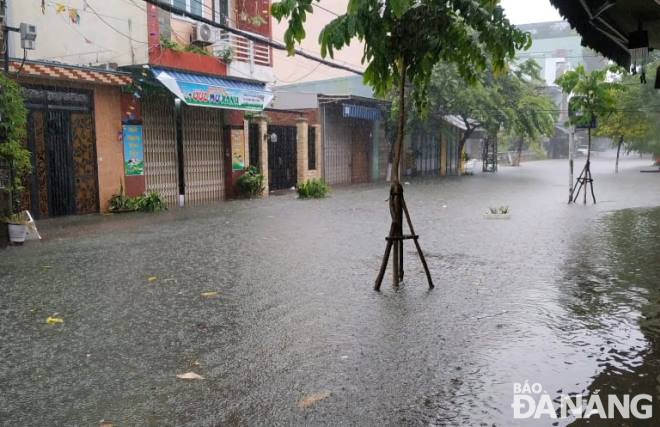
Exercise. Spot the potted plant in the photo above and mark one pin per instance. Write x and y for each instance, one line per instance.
(497, 213)
(15, 157)
(17, 227)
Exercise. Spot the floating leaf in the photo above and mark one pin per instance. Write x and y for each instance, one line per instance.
(54, 320)
(211, 294)
(152, 278)
(190, 376)
(312, 399)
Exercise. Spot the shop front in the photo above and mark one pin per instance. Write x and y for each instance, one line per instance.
(191, 145)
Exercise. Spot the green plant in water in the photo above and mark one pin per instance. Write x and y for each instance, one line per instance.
(13, 119)
(151, 202)
(148, 202)
(313, 189)
(251, 183)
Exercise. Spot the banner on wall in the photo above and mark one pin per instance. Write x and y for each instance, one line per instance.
(207, 91)
(133, 150)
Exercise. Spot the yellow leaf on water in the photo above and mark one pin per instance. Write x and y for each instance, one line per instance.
(190, 376)
(312, 399)
(152, 278)
(54, 320)
(209, 294)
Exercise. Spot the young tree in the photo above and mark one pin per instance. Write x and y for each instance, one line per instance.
(403, 40)
(628, 124)
(593, 98)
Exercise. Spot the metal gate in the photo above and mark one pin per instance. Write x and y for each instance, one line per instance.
(282, 166)
(160, 158)
(336, 147)
(203, 163)
(63, 145)
(426, 149)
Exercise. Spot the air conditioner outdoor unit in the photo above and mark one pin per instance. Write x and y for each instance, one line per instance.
(203, 35)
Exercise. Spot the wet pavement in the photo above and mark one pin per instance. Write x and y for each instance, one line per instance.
(565, 296)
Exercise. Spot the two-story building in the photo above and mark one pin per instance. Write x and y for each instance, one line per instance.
(167, 106)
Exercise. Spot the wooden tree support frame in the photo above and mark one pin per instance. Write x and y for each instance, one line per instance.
(396, 237)
(584, 181)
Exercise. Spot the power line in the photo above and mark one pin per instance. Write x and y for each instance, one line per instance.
(247, 35)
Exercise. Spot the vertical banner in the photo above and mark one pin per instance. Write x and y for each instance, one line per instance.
(133, 151)
(237, 150)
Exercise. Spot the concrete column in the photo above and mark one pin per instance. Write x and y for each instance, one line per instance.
(302, 128)
(319, 153)
(262, 121)
(246, 142)
(443, 154)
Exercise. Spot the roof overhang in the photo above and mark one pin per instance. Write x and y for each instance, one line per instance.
(606, 26)
(63, 72)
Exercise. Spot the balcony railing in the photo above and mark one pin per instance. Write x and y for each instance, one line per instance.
(242, 49)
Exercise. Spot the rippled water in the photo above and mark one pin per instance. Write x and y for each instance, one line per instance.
(565, 296)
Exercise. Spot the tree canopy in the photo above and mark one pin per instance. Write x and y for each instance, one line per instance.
(413, 35)
(509, 101)
(593, 97)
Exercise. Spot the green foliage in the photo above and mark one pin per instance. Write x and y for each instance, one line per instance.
(197, 49)
(13, 119)
(251, 183)
(151, 201)
(166, 43)
(313, 189)
(593, 96)
(628, 122)
(403, 35)
(15, 218)
(226, 55)
(507, 101)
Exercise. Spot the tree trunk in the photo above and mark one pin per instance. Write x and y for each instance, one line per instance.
(588, 161)
(520, 147)
(462, 141)
(396, 190)
(618, 150)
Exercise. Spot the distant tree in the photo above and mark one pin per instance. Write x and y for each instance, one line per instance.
(649, 104)
(403, 40)
(593, 98)
(628, 124)
(507, 101)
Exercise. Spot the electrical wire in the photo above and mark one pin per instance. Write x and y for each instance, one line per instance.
(22, 63)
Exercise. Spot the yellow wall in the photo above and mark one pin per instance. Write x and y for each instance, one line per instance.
(109, 148)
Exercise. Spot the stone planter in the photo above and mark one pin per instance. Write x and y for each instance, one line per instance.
(17, 233)
(497, 216)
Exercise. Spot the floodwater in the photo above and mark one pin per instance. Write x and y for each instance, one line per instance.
(567, 296)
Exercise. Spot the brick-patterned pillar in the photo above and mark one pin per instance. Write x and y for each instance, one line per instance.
(301, 148)
(262, 121)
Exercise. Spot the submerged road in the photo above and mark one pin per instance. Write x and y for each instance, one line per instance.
(565, 296)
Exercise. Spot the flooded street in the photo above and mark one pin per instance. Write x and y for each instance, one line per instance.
(567, 296)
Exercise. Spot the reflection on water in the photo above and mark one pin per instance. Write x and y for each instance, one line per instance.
(612, 293)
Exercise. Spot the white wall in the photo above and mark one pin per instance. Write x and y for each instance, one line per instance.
(92, 41)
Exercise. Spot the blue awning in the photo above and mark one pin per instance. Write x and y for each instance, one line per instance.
(206, 91)
(360, 112)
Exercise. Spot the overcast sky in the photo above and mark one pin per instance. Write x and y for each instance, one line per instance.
(528, 11)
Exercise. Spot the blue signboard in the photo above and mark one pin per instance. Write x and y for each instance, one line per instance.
(133, 151)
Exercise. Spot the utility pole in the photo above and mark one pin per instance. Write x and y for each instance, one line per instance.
(571, 150)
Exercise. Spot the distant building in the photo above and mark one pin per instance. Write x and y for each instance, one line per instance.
(557, 48)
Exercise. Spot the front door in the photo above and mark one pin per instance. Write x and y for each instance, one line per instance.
(62, 142)
(282, 166)
(360, 143)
